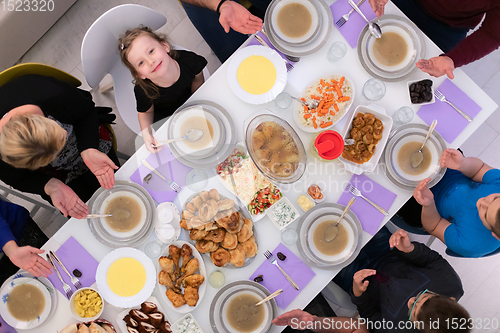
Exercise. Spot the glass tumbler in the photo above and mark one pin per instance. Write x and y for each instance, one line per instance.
(283, 101)
(196, 180)
(336, 52)
(374, 89)
(403, 116)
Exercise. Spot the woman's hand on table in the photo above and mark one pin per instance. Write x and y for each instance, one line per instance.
(451, 159)
(150, 142)
(437, 66)
(65, 199)
(378, 6)
(235, 16)
(359, 284)
(101, 166)
(300, 316)
(423, 194)
(27, 258)
(401, 241)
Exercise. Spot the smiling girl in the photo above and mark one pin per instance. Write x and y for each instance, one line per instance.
(164, 78)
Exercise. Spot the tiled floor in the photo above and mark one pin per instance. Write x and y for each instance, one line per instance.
(60, 47)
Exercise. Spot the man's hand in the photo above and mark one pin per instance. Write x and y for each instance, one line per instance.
(27, 258)
(423, 194)
(101, 166)
(65, 199)
(451, 159)
(437, 66)
(378, 6)
(401, 241)
(358, 285)
(235, 16)
(301, 316)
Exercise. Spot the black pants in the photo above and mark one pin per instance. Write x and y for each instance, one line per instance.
(31, 235)
(318, 307)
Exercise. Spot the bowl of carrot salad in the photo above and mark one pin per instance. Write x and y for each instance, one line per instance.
(328, 100)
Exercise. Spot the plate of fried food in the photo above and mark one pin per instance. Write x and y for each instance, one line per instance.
(219, 228)
(369, 127)
(181, 276)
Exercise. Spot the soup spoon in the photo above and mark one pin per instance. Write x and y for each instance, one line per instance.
(417, 157)
(270, 297)
(91, 216)
(332, 230)
(372, 26)
(191, 135)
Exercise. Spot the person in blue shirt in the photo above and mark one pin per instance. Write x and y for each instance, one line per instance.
(17, 230)
(463, 209)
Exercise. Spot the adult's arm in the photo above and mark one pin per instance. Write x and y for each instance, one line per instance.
(232, 15)
(301, 320)
(472, 167)
(483, 41)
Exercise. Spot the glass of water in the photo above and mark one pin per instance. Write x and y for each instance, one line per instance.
(374, 89)
(336, 52)
(283, 101)
(402, 116)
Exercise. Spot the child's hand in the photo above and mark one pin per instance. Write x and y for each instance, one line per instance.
(452, 159)
(359, 285)
(150, 143)
(401, 241)
(235, 16)
(423, 194)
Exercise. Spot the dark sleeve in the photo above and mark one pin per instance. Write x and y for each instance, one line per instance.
(368, 305)
(483, 41)
(143, 102)
(193, 62)
(423, 256)
(24, 180)
(75, 107)
(6, 234)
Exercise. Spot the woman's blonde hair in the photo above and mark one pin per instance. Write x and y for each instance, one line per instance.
(150, 89)
(31, 141)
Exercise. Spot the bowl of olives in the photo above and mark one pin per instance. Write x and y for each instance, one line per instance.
(421, 92)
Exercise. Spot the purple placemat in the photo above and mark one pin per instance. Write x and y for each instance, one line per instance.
(274, 280)
(450, 122)
(368, 215)
(6, 328)
(254, 41)
(165, 163)
(74, 256)
(352, 28)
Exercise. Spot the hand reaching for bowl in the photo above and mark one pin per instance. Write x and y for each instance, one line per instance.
(235, 16)
(437, 66)
(294, 316)
(378, 6)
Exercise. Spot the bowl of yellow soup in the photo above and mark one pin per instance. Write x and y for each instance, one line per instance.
(126, 277)
(86, 304)
(256, 74)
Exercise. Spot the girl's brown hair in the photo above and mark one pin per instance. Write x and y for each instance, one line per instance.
(124, 44)
(31, 141)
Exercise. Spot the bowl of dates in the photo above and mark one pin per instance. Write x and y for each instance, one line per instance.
(421, 92)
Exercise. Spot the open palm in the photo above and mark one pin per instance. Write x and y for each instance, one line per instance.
(101, 166)
(27, 258)
(235, 16)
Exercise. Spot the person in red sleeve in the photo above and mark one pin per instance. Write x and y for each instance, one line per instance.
(447, 23)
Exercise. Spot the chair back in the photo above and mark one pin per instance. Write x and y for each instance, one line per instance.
(454, 254)
(39, 69)
(100, 54)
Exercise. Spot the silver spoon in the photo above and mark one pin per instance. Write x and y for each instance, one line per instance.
(313, 105)
(191, 135)
(372, 26)
(91, 216)
(417, 157)
(332, 230)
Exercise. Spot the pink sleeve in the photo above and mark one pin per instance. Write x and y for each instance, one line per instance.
(482, 42)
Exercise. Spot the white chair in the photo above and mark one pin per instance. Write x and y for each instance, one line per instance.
(100, 54)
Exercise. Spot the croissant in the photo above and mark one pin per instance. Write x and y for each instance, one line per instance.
(220, 257)
(214, 194)
(198, 234)
(216, 236)
(206, 246)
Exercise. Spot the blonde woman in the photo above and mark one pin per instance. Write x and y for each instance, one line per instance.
(52, 143)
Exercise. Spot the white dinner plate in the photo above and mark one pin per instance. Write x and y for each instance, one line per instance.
(271, 55)
(201, 289)
(102, 281)
(20, 324)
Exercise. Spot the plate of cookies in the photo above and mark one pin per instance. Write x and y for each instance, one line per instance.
(181, 276)
(218, 227)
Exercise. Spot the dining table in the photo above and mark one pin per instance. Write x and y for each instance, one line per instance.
(332, 175)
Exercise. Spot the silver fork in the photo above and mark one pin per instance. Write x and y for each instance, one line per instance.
(66, 287)
(354, 191)
(272, 259)
(439, 95)
(345, 17)
(173, 185)
(288, 64)
(74, 279)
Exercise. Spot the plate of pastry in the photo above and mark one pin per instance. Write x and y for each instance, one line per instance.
(218, 227)
(181, 276)
(148, 317)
